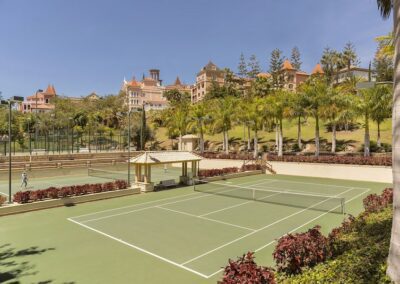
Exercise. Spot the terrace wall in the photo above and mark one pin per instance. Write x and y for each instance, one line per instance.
(336, 171)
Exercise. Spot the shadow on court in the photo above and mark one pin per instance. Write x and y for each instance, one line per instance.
(14, 265)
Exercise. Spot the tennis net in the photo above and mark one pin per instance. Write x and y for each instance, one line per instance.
(310, 201)
(107, 174)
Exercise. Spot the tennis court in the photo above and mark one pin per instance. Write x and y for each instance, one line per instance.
(41, 179)
(200, 230)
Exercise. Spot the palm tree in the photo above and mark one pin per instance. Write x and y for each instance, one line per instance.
(335, 110)
(316, 94)
(382, 107)
(279, 103)
(257, 115)
(386, 7)
(297, 108)
(364, 104)
(223, 118)
(199, 117)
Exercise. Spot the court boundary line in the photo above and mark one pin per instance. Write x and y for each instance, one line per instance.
(182, 265)
(258, 230)
(204, 218)
(139, 249)
(302, 225)
(149, 207)
(152, 201)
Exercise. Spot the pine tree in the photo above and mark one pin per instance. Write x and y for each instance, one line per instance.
(242, 67)
(383, 66)
(350, 56)
(253, 66)
(295, 58)
(275, 65)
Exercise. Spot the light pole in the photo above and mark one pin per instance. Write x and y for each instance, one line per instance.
(36, 116)
(10, 102)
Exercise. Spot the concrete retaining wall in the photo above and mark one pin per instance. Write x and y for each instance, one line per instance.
(68, 201)
(337, 171)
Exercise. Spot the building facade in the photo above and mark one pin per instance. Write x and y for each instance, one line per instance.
(354, 71)
(41, 101)
(148, 93)
(204, 80)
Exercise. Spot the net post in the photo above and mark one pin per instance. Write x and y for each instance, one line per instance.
(343, 206)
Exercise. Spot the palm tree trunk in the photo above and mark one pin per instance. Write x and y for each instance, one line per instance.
(255, 143)
(248, 138)
(394, 251)
(276, 136)
(201, 140)
(366, 137)
(299, 133)
(378, 140)
(316, 136)
(280, 140)
(226, 141)
(333, 150)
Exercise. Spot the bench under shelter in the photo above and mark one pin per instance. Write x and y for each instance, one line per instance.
(145, 161)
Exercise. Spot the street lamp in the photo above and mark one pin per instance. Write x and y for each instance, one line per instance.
(10, 102)
(37, 119)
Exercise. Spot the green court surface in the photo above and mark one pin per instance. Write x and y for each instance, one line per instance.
(178, 235)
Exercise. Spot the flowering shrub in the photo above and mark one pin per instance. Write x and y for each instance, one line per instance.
(245, 270)
(376, 203)
(66, 191)
(296, 251)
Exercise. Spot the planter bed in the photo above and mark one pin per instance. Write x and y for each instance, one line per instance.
(65, 201)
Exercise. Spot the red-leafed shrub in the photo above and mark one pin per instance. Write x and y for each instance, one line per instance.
(336, 245)
(95, 188)
(376, 203)
(108, 186)
(218, 172)
(37, 195)
(66, 191)
(295, 251)
(22, 196)
(52, 192)
(250, 167)
(245, 271)
(330, 159)
(121, 184)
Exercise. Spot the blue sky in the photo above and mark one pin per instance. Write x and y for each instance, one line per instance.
(82, 46)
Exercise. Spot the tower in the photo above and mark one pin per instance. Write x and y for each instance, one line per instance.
(155, 75)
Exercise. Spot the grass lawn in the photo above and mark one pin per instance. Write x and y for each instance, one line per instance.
(290, 132)
(171, 236)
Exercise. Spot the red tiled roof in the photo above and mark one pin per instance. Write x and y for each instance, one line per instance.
(263, 75)
(287, 65)
(317, 70)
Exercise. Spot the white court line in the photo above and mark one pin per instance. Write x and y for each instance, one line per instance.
(252, 233)
(169, 203)
(148, 202)
(139, 249)
(204, 218)
(237, 205)
(302, 225)
(5, 194)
